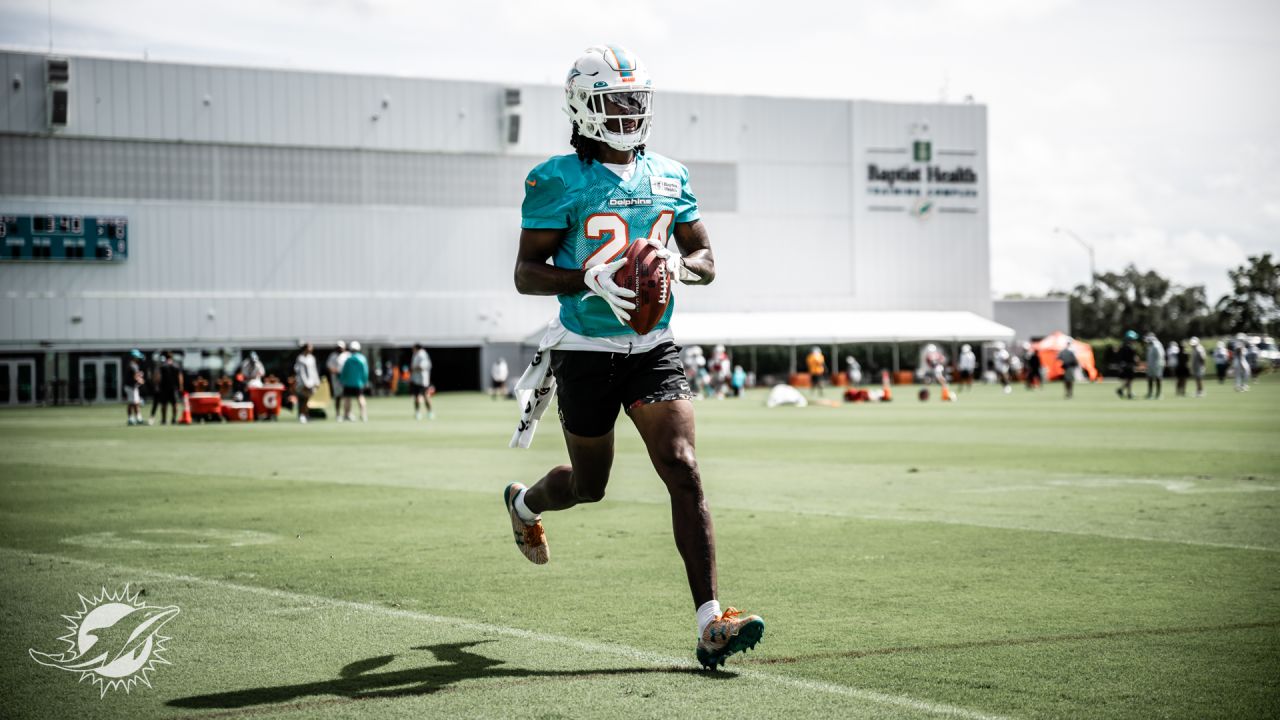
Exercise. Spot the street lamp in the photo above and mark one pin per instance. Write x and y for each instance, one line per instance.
(1093, 270)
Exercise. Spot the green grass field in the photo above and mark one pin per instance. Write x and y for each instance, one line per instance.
(1005, 556)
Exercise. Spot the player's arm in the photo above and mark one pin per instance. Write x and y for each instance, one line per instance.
(695, 246)
(534, 276)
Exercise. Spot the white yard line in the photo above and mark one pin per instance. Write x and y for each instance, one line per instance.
(614, 649)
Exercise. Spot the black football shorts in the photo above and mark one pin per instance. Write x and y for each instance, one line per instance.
(592, 386)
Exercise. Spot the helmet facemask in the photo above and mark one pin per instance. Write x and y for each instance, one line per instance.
(619, 118)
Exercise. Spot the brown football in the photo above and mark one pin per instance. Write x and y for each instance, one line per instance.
(645, 274)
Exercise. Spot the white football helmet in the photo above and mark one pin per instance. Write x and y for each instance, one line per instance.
(609, 85)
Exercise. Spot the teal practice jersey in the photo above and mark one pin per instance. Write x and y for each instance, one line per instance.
(603, 214)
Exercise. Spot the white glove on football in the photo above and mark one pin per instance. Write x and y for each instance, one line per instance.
(675, 264)
(599, 280)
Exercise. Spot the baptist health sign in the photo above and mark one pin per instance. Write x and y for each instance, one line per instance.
(910, 176)
(919, 206)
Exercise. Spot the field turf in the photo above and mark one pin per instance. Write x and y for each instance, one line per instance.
(1005, 556)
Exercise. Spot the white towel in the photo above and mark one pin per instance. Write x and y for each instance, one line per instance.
(533, 393)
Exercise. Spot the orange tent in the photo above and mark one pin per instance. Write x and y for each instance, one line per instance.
(1048, 349)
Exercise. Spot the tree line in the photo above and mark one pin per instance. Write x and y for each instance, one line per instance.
(1146, 301)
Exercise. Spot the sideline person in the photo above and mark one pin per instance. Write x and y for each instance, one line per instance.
(817, 368)
(333, 371)
(305, 380)
(355, 383)
(133, 380)
(420, 382)
(1128, 357)
(581, 211)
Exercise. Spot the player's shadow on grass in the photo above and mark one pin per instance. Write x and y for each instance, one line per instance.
(358, 681)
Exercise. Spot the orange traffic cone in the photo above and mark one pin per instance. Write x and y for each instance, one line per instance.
(946, 394)
(186, 410)
(886, 396)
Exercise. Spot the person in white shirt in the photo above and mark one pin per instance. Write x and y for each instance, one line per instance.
(305, 379)
(333, 367)
(498, 373)
(1002, 361)
(854, 370)
(252, 370)
(420, 382)
(967, 365)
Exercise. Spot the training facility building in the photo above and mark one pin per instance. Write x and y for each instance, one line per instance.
(211, 209)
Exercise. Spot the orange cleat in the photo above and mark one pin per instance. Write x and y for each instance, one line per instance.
(531, 541)
(728, 634)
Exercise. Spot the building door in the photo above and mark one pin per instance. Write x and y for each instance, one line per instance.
(17, 382)
(100, 379)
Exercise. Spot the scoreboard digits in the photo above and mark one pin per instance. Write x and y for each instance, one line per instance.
(64, 237)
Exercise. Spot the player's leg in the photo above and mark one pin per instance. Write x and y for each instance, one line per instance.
(587, 393)
(658, 400)
(667, 429)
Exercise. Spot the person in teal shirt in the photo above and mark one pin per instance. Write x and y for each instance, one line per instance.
(355, 380)
(581, 211)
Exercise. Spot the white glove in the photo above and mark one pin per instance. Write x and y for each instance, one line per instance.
(599, 280)
(675, 264)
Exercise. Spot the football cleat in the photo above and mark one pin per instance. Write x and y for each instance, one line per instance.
(728, 634)
(531, 541)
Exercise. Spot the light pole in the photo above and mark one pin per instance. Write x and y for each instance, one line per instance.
(1093, 270)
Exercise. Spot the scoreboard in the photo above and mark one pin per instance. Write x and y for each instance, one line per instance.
(72, 238)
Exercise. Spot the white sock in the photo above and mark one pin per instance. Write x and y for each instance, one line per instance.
(709, 611)
(523, 510)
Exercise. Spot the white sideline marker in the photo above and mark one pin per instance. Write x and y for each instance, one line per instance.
(626, 651)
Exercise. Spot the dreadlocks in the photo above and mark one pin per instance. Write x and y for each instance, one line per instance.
(588, 149)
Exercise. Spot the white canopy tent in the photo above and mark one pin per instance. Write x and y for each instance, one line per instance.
(832, 328)
(824, 328)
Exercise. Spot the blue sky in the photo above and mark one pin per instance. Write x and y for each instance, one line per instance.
(1147, 128)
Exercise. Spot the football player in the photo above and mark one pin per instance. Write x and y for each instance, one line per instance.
(581, 211)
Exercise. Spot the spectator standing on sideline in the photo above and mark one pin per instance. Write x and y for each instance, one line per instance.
(168, 388)
(333, 366)
(355, 382)
(1070, 365)
(253, 370)
(967, 365)
(739, 380)
(1001, 360)
(817, 368)
(133, 379)
(498, 373)
(854, 370)
(1222, 359)
(1172, 352)
(1128, 356)
(1240, 362)
(1198, 361)
(1033, 367)
(1182, 370)
(420, 382)
(305, 379)
(1155, 366)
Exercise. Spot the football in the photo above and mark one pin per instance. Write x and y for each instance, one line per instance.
(645, 274)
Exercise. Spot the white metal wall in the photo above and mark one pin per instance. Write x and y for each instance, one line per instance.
(791, 232)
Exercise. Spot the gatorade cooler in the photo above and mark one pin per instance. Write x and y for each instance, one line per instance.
(205, 404)
(237, 411)
(266, 401)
